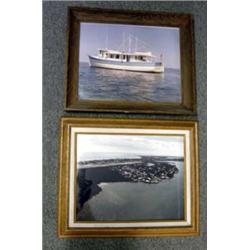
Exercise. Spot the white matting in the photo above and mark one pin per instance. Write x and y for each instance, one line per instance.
(73, 224)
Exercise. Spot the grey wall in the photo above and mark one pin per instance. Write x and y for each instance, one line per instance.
(54, 46)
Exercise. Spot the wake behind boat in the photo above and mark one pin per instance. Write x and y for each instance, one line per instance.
(132, 61)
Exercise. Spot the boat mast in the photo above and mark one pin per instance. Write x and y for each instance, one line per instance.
(106, 41)
(129, 43)
(161, 57)
(123, 45)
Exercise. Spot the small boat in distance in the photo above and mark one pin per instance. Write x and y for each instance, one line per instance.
(135, 61)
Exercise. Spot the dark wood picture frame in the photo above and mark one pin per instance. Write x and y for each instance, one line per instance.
(184, 22)
(69, 127)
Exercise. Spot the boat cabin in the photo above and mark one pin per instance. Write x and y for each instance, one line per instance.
(125, 57)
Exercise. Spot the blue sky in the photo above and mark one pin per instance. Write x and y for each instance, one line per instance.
(159, 40)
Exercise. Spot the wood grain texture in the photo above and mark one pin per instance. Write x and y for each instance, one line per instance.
(63, 196)
(184, 22)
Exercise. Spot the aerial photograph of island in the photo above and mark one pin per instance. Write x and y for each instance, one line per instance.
(129, 177)
(129, 63)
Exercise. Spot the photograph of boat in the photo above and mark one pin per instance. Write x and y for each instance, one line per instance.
(129, 62)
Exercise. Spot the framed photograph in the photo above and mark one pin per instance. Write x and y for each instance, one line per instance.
(130, 61)
(122, 177)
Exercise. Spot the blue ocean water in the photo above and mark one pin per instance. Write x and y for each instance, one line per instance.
(108, 84)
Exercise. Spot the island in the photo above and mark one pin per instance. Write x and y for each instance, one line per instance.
(145, 169)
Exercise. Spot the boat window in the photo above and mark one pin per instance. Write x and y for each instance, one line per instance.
(117, 56)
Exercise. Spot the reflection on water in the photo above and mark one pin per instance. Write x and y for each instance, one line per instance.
(100, 84)
(125, 200)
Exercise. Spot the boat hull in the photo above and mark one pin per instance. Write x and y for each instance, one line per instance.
(154, 67)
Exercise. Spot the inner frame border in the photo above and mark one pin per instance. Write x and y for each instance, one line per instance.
(74, 131)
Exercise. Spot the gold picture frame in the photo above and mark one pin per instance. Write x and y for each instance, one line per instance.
(68, 227)
(187, 94)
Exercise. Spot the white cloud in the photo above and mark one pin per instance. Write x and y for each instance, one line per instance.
(107, 146)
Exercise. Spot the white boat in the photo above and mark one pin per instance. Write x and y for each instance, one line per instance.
(136, 61)
(132, 61)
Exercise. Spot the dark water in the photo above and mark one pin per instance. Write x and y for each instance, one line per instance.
(108, 84)
(126, 200)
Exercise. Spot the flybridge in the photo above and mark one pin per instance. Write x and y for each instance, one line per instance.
(109, 51)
